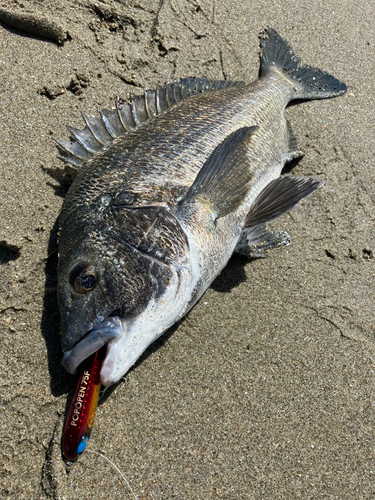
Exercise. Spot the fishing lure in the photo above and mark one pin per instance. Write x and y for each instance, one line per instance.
(81, 415)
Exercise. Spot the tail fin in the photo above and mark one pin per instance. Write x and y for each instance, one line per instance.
(308, 82)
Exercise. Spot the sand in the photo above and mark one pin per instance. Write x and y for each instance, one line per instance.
(267, 389)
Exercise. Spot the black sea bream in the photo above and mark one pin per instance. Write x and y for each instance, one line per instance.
(167, 188)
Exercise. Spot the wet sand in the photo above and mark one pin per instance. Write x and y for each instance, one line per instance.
(266, 390)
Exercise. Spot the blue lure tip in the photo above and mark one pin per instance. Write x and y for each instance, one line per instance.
(82, 445)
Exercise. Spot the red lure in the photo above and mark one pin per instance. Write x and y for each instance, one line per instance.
(81, 415)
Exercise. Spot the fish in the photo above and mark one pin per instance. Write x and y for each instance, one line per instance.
(167, 188)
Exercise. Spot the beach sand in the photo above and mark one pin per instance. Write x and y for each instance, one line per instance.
(266, 389)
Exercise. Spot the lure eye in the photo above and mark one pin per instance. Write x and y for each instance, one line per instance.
(83, 277)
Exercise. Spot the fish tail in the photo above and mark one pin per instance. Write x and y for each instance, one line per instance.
(308, 82)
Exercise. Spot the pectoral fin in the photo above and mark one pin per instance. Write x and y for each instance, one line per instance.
(280, 196)
(222, 183)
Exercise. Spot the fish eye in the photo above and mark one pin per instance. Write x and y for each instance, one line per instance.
(83, 277)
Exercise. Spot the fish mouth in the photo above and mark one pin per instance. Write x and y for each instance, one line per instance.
(107, 332)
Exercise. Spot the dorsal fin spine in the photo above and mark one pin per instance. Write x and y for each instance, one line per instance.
(127, 114)
(167, 96)
(117, 104)
(92, 131)
(108, 125)
(100, 132)
(157, 100)
(133, 107)
(78, 135)
(148, 114)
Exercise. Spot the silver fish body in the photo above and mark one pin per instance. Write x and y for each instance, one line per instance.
(167, 188)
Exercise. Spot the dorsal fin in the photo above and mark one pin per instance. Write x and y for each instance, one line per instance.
(113, 123)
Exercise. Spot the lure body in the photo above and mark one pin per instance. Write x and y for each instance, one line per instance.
(81, 415)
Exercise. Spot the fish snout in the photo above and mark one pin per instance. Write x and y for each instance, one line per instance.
(108, 330)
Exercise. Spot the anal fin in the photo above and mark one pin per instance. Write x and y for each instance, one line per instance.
(255, 241)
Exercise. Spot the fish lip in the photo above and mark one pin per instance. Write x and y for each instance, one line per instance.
(107, 331)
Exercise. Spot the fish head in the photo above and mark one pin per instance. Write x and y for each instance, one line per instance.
(95, 283)
(120, 281)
